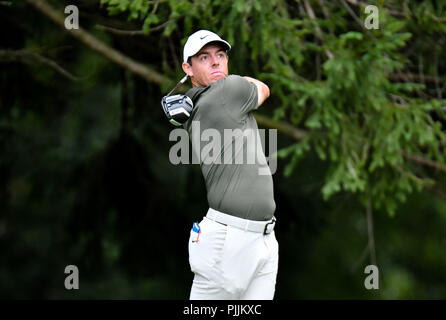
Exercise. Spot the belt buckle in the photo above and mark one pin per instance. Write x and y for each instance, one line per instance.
(273, 221)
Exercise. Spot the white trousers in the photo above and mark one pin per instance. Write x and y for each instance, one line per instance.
(232, 264)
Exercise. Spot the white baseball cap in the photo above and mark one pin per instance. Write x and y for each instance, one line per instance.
(198, 40)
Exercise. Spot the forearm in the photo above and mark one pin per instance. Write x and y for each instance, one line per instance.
(262, 89)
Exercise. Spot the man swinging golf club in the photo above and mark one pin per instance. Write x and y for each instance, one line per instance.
(233, 251)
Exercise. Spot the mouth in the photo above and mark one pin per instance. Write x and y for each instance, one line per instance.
(216, 73)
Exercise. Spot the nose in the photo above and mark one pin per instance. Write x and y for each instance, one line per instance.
(214, 61)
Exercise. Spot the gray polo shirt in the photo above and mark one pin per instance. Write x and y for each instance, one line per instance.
(232, 169)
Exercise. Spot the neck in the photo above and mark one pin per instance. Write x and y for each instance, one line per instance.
(194, 83)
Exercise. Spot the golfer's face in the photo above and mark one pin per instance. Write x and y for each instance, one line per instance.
(209, 65)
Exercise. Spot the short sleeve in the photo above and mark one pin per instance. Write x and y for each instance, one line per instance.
(240, 94)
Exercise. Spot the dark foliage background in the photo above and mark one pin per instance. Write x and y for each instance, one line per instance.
(85, 177)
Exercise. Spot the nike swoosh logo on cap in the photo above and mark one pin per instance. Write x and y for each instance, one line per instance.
(201, 38)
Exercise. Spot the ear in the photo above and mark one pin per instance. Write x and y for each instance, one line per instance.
(187, 69)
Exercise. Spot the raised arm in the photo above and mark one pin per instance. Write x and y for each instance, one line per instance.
(262, 89)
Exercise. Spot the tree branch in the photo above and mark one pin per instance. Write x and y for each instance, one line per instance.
(119, 31)
(298, 134)
(130, 32)
(437, 192)
(407, 79)
(297, 77)
(369, 214)
(353, 14)
(323, 6)
(361, 259)
(117, 57)
(414, 77)
(437, 82)
(426, 162)
(31, 57)
(282, 127)
(312, 16)
(391, 12)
